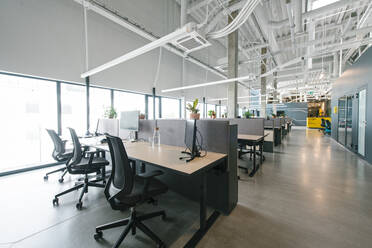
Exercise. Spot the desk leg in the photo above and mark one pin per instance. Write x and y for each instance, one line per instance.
(261, 152)
(204, 223)
(254, 162)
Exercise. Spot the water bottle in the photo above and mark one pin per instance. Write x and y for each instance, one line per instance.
(156, 137)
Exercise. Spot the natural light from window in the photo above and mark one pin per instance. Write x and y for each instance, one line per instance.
(321, 3)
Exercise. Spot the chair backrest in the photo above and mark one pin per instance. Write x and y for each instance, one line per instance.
(328, 124)
(59, 147)
(122, 177)
(77, 152)
(323, 124)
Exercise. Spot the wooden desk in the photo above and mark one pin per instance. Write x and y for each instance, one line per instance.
(167, 157)
(251, 140)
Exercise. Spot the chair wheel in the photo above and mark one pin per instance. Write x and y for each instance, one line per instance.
(55, 202)
(60, 180)
(79, 205)
(98, 235)
(45, 177)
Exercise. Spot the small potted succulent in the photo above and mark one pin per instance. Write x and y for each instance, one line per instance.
(248, 114)
(193, 108)
(110, 113)
(212, 114)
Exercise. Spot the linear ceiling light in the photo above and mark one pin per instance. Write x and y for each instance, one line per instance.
(249, 77)
(176, 35)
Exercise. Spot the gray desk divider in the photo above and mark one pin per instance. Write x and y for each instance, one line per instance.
(252, 126)
(277, 122)
(269, 123)
(146, 129)
(217, 136)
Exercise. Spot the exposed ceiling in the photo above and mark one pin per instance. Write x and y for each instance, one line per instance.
(307, 42)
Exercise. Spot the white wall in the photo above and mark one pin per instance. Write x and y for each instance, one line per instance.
(45, 38)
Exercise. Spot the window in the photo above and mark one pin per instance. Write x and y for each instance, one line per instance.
(125, 101)
(223, 111)
(99, 100)
(316, 4)
(210, 107)
(150, 108)
(28, 106)
(218, 112)
(74, 109)
(170, 108)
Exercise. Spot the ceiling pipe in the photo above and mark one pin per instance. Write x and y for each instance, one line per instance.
(298, 16)
(314, 13)
(184, 4)
(141, 32)
(291, 22)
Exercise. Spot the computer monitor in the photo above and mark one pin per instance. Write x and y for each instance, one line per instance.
(191, 141)
(129, 120)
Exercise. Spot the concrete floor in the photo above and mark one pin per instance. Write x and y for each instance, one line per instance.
(310, 192)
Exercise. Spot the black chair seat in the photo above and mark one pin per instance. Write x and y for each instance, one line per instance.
(84, 167)
(137, 195)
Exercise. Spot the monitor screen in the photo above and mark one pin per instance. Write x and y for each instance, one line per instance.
(189, 134)
(129, 120)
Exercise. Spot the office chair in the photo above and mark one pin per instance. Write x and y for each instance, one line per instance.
(81, 164)
(126, 190)
(60, 154)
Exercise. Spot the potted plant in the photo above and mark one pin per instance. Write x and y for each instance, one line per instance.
(194, 115)
(110, 113)
(212, 114)
(273, 115)
(248, 114)
(142, 116)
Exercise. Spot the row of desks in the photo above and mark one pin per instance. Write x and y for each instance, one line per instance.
(167, 157)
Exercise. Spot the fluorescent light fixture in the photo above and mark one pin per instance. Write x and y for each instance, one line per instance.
(179, 33)
(249, 77)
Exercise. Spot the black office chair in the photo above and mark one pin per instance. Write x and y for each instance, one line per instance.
(60, 154)
(81, 164)
(126, 190)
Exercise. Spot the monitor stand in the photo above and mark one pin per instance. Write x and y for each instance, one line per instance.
(133, 136)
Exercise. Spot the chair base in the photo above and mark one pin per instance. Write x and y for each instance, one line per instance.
(84, 185)
(64, 170)
(132, 223)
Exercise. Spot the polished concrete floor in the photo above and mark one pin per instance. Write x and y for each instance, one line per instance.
(310, 192)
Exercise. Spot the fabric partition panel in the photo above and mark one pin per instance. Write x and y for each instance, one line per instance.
(252, 126)
(277, 122)
(146, 129)
(269, 123)
(172, 131)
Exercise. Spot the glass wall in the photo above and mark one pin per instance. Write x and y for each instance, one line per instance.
(223, 111)
(74, 109)
(170, 108)
(125, 101)
(99, 100)
(28, 106)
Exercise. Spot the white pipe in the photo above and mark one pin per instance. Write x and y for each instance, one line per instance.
(86, 37)
(291, 23)
(135, 29)
(183, 20)
(298, 16)
(144, 49)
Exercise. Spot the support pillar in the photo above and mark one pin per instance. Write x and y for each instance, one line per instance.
(232, 58)
(263, 83)
(275, 96)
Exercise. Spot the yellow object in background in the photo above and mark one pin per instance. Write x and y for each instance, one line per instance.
(315, 122)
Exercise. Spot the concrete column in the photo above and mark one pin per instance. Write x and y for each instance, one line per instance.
(232, 58)
(275, 97)
(183, 20)
(335, 65)
(263, 84)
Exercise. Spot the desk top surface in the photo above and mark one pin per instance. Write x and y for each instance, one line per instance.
(250, 137)
(164, 155)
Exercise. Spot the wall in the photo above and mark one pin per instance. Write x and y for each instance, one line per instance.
(45, 38)
(355, 78)
(297, 111)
